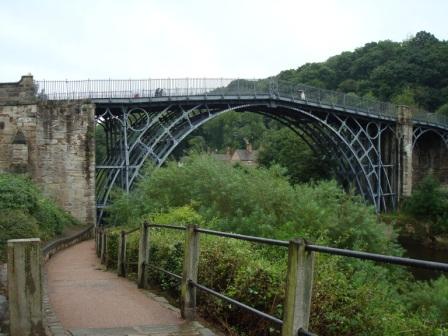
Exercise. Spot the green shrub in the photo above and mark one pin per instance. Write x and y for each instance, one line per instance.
(430, 299)
(257, 202)
(16, 224)
(429, 202)
(349, 298)
(51, 218)
(26, 212)
(16, 192)
(113, 237)
(344, 302)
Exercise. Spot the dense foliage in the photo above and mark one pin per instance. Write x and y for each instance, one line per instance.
(415, 69)
(26, 213)
(255, 201)
(426, 210)
(431, 299)
(284, 147)
(350, 297)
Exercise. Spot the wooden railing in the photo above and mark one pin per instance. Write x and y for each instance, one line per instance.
(299, 278)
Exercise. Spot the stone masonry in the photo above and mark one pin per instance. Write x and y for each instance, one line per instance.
(53, 142)
(405, 131)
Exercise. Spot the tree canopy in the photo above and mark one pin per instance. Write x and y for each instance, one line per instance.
(417, 67)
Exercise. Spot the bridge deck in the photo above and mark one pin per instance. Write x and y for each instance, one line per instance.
(90, 301)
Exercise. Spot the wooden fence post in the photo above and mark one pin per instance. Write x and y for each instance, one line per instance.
(25, 287)
(98, 242)
(103, 246)
(299, 285)
(95, 233)
(143, 256)
(190, 272)
(121, 263)
(106, 248)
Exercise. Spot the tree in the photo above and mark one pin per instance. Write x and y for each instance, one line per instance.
(384, 68)
(429, 203)
(287, 149)
(405, 97)
(443, 110)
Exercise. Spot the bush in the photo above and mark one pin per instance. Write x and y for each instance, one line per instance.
(430, 299)
(26, 212)
(350, 297)
(344, 303)
(429, 202)
(358, 298)
(16, 224)
(257, 202)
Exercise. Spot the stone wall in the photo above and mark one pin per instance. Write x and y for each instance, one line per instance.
(54, 143)
(22, 92)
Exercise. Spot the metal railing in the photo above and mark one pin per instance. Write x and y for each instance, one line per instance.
(225, 87)
(300, 266)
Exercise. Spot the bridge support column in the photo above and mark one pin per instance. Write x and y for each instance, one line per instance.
(25, 287)
(405, 138)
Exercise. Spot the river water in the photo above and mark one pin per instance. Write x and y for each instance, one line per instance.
(418, 251)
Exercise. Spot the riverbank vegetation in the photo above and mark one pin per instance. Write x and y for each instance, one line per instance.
(423, 217)
(351, 297)
(26, 213)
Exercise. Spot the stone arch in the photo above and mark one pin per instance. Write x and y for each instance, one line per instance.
(430, 154)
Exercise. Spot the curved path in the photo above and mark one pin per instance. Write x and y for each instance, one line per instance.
(90, 301)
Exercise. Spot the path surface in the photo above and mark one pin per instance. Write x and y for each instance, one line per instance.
(90, 301)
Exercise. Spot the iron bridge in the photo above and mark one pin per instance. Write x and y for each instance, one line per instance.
(144, 120)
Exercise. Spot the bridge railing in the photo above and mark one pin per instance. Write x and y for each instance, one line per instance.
(189, 87)
(299, 278)
(423, 116)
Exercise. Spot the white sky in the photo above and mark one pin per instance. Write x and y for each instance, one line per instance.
(80, 39)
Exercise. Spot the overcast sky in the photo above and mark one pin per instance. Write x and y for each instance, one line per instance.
(80, 39)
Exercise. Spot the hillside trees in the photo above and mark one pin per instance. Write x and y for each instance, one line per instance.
(384, 69)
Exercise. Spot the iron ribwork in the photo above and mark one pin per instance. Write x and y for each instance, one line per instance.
(145, 120)
(151, 133)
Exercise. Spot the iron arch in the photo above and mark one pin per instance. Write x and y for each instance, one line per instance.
(138, 133)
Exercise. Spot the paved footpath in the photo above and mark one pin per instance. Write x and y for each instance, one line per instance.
(92, 302)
